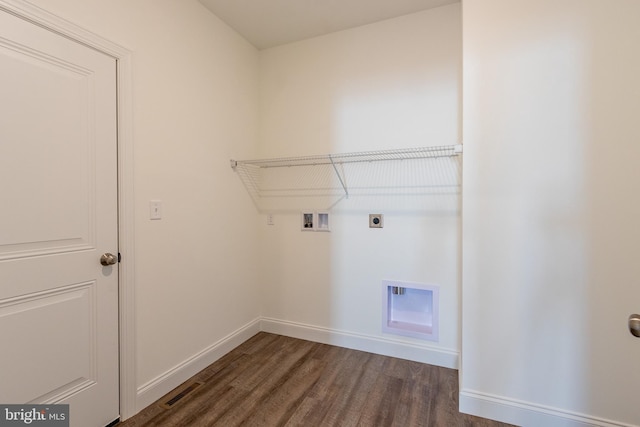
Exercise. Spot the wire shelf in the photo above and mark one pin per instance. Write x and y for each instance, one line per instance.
(364, 156)
(291, 183)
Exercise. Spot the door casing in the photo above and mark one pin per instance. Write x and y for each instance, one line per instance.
(126, 285)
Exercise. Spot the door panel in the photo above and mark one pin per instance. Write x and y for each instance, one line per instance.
(58, 166)
(70, 342)
(56, 213)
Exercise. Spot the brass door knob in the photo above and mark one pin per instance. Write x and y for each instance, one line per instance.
(108, 259)
(634, 325)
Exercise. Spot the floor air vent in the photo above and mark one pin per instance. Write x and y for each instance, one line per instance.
(178, 394)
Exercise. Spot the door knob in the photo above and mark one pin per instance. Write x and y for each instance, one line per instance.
(108, 259)
(634, 325)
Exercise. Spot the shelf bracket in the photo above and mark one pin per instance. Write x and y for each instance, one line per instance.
(346, 192)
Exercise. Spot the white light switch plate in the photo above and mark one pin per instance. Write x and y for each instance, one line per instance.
(155, 209)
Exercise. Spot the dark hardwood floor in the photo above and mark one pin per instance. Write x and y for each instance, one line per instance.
(272, 380)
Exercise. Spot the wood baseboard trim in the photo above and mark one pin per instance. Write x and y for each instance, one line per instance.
(162, 384)
(372, 344)
(526, 414)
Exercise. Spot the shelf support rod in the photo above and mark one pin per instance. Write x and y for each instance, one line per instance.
(344, 187)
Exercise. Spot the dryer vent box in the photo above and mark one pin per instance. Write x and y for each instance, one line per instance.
(410, 309)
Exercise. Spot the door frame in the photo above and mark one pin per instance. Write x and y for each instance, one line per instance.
(126, 200)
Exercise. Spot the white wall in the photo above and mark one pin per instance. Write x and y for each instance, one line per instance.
(392, 84)
(194, 96)
(550, 235)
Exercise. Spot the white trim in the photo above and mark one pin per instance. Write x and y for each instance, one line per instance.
(126, 199)
(527, 414)
(162, 384)
(430, 354)
(126, 238)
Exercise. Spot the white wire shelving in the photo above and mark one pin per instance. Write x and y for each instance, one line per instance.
(364, 156)
(417, 171)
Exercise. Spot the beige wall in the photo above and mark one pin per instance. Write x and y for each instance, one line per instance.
(393, 84)
(194, 102)
(550, 236)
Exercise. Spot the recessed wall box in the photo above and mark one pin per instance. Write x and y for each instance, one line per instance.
(322, 221)
(307, 221)
(376, 220)
(410, 309)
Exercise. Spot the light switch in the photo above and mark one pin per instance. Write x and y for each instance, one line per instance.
(155, 209)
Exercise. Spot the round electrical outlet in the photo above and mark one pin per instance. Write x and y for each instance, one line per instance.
(376, 221)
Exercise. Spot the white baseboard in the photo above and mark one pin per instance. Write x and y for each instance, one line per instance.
(373, 344)
(526, 414)
(164, 383)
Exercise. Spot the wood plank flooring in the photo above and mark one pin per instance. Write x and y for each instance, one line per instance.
(272, 380)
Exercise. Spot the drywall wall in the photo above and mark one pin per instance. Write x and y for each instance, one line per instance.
(393, 84)
(550, 271)
(194, 101)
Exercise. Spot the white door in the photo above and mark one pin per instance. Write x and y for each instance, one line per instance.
(58, 215)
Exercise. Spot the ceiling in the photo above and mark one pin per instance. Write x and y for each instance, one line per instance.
(269, 23)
